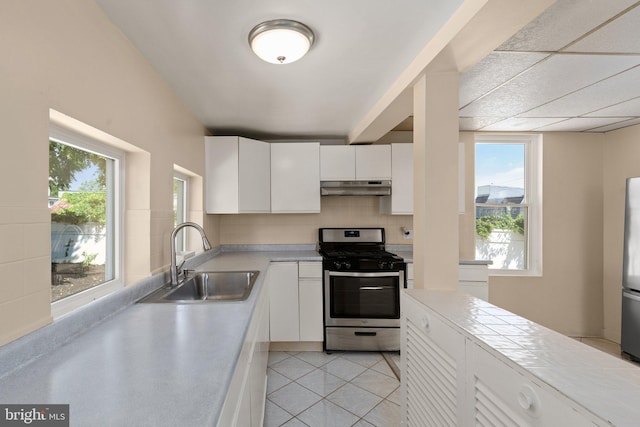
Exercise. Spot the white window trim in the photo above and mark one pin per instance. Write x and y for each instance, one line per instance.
(61, 307)
(533, 193)
(185, 178)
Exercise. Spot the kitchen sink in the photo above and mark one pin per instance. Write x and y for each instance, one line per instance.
(207, 286)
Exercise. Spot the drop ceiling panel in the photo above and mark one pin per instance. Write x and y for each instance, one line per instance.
(628, 108)
(476, 123)
(564, 22)
(615, 126)
(494, 70)
(613, 90)
(621, 35)
(549, 80)
(580, 124)
(522, 124)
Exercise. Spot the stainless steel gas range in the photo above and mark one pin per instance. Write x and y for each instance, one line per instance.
(362, 283)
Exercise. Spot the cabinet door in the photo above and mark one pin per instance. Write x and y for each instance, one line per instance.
(373, 162)
(337, 162)
(503, 396)
(283, 301)
(221, 172)
(310, 297)
(295, 177)
(402, 179)
(254, 176)
(237, 175)
(433, 357)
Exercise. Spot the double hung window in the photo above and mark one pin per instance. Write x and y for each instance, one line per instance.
(508, 202)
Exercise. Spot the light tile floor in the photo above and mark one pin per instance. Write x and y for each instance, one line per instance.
(316, 389)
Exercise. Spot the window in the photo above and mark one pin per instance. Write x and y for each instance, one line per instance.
(508, 203)
(84, 202)
(180, 193)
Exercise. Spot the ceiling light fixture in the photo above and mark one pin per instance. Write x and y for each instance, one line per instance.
(281, 41)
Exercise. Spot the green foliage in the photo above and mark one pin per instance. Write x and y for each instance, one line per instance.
(65, 161)
(81, 208)
(487, 223)
(88, 259)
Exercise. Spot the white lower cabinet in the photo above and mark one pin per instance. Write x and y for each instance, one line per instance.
(432, 357)
(245, 401)
(449, 379)
(503, 396)
(296, 301)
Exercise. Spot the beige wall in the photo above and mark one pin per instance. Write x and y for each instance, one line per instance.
(67, 56)
(621, 161)
(347, 211)
(568, 296)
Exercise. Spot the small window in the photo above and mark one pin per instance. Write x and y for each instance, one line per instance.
(84, 202)
(507, 203)
(180, 197)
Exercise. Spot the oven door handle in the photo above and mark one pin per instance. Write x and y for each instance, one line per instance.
(362, 274)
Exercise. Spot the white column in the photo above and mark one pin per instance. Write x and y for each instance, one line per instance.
(435, 153)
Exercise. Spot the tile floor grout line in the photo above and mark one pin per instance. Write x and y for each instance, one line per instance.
(368, 368)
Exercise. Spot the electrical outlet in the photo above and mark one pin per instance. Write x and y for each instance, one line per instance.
(407, 234)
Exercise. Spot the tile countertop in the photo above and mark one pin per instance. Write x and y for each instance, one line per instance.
(604, 385)
(150, 364)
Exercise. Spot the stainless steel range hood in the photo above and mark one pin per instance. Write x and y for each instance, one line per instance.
(355, 188)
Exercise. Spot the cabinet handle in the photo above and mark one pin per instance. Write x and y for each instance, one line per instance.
(528, 400)
(365, 334)
(426, 322)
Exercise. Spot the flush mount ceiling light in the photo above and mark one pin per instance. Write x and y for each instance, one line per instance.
(281, 41)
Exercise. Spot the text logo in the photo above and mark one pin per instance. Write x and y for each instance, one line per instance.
(34, 415)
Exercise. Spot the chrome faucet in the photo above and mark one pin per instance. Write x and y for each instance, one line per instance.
(174, 267)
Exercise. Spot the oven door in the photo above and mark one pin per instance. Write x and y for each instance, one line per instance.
(363, 299)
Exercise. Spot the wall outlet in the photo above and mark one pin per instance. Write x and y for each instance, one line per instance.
(407, 234)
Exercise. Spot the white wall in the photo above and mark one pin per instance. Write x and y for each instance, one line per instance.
(67, 56)
(621, 161)
(568, 296)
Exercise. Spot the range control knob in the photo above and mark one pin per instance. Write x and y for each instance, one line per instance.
(383, 264)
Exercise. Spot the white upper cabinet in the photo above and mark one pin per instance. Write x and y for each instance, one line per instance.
(401, 200)
(295, 177)
(373, 162)
(237, 175)
(337, 162)
(355, 162)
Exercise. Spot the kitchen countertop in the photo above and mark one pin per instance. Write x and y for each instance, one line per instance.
(150, 364)
(602, 384)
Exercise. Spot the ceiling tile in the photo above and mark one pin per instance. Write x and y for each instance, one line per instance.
(475, 123)
(613, 90)
(580, 124)
(615, 126)
(563, 22)
(521, 123)
(549, 80)
(620, 36)
(494, 70)
(627, 108)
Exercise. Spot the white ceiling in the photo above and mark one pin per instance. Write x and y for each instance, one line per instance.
(574, 68)
(200, 47)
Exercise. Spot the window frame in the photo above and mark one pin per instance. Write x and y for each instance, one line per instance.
(182, 241)
(115, 251)
(533, 198)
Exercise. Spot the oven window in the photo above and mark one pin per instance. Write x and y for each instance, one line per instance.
(365, 297)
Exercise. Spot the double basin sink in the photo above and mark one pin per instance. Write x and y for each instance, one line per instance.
(206, 286)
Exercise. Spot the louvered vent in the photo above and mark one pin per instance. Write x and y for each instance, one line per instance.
(431, 382)
(491, 411)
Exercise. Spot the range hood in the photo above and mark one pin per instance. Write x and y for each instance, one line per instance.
(355, 188)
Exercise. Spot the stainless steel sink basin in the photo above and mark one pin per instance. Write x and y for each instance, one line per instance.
(206, 286)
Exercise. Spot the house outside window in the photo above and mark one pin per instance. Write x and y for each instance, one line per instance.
(84, 203)
(508, 203)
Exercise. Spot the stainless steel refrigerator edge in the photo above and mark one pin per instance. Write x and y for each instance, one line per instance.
(630, 336)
